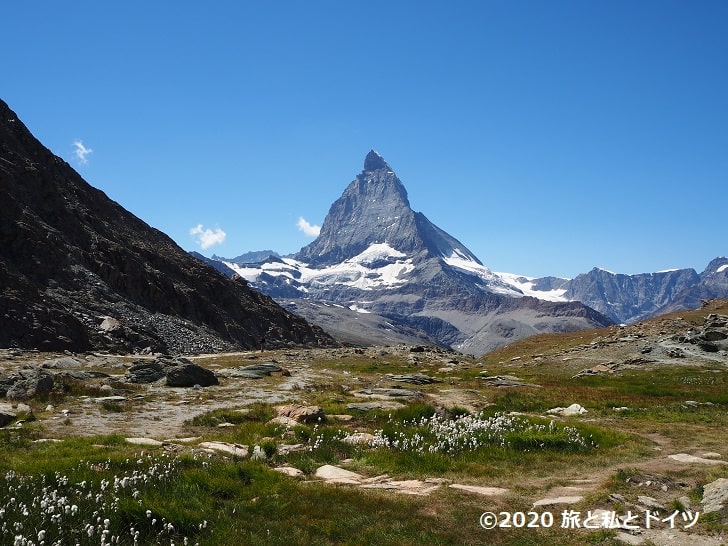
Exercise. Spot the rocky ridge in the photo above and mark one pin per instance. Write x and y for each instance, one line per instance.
(77, 271)
(631, 298)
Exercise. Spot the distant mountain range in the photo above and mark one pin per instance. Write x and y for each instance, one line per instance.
(78, 272)
(631, 298)
(379, 271)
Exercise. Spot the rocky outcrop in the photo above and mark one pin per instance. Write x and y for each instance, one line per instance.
(178, 372)
(189, 374)
(257, 371)
(712, 337)
(302, 414)
(26, 383)
(71, 259)
(145, 372)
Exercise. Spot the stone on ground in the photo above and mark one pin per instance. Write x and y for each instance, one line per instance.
(225, 447)
(335, 474)
(479, 489)
(573, 409)
(289, 471)
(715, 495)
(685, 458)
(301, 414)
(144, 442)
(570, 499)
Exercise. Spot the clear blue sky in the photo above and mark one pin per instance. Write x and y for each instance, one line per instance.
(550, 137)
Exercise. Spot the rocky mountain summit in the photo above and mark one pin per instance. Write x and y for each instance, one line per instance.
(373, 210)
(79, 272)
(376, 257)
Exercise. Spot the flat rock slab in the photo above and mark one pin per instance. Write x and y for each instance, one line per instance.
(245, 374)
(143, 442)
(335, 474)
(224, 447)
(407, 487)
(573, 409)
(667, 537)
(103, 399)
(570, 499)
(62, 362)
(415, 378)
(289, 471)
(685, 458)
(287, 422)
(479, 490)
(359, 438)
(649, 502)
(370, 406)
(506, 381)
(256, 371)
(285, 449)
(186, 440)
(381, 392)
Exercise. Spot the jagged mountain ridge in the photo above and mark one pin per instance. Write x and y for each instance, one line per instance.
(376, 255)
(631, 298)
(79, 272)
(628, 298)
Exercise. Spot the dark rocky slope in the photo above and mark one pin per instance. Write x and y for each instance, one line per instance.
(70, 257)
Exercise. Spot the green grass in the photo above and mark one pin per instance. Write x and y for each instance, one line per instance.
(254, 412)
(244, 501)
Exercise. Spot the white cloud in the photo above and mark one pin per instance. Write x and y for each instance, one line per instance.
(205, 237)
(308, 229)
(81, 152)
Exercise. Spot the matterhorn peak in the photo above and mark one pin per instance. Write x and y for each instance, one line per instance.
(374, 210)
(374, 162)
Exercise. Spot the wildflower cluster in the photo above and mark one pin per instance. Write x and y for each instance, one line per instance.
(55, 509)
(451, 436)
(321, 437)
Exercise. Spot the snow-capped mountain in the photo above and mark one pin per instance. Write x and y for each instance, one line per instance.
(375, 255)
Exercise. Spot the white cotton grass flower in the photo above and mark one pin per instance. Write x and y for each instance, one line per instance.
(49, 509)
